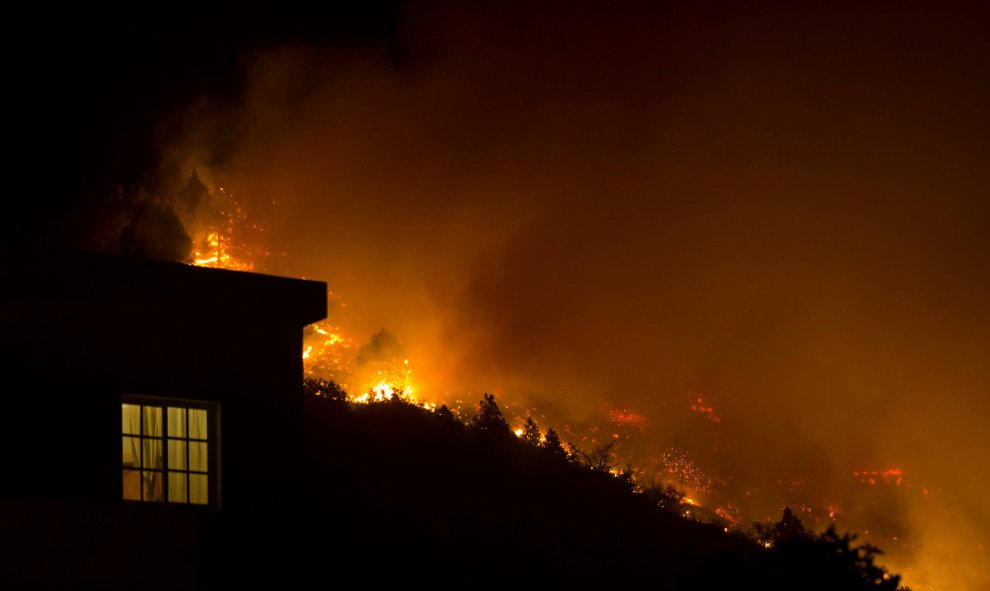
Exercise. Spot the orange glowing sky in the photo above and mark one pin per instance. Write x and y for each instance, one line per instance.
(780, 216)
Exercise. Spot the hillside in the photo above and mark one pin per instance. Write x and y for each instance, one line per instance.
(397, 496)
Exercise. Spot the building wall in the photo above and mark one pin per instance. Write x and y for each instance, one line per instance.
(71, 353)
(71, 367)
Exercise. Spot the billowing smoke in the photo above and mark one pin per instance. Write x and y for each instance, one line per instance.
(783, 215)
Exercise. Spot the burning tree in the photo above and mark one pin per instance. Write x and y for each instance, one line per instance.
(222, 235)
(382, 362)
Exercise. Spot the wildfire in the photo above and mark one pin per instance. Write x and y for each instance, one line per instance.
(217, 254)
(706, 410)
(680, 467)
(380, 392)
(329, 353)
(627, 418)
(223, 237)
(873, 477)
(730, 514)
(379, 371)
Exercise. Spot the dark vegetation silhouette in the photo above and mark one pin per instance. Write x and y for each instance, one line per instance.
(396, 496)
(531, 432)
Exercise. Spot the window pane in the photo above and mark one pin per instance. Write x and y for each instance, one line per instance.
(131, 451)
(197, 423)
(152, 486)
(177, 454)
(132, 485)
(176, 422)
(130, 418)
(153, 421)
(198, 487)
(197, 456)
(151, 455)
(165, 451)
(177, 487)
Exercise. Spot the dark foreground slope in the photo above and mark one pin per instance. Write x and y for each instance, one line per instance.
(396, 496)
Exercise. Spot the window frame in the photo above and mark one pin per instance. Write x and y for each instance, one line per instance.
(212, 441)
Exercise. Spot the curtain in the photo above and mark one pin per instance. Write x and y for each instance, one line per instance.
(141, 428)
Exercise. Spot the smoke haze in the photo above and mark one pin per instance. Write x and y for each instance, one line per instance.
(784, 212)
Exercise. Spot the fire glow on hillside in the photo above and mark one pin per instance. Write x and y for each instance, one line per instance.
(376, 368)
(373, 373)
(744, 247)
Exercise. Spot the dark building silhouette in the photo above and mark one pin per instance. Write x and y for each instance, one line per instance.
(144, 402)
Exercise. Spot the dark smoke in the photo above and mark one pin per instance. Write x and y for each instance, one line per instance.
(381, 347)
(155, 231)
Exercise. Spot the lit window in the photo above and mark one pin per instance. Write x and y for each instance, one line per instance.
(168, 450)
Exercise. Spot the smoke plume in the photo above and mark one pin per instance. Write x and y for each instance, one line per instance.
(783, 213)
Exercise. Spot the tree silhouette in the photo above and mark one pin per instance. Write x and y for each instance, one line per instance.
(667, 498)
(599, 459)
(627, 477)
(794, 552)
(531, 432)
(489, 422)
(552, 444)
(789, 527)
(155, 231)
(445, 414)
(194, 196)
(326, 390)
(529, 514)
(857, 562)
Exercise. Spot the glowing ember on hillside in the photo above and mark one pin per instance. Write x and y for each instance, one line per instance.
(374, 372)
(215, 252)
(706, 410)
(680, 468)
(729, 513)
(328, 353)
(873, 477)
(223, 235)
(627, 418)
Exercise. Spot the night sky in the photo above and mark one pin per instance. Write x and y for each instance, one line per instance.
(785, 209)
